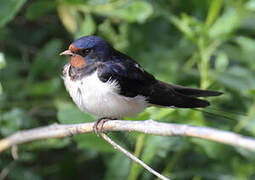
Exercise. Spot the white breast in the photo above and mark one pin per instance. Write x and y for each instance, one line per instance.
(102, 99)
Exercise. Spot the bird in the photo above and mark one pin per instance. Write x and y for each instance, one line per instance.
(109, 84)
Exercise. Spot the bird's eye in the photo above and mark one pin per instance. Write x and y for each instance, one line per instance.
(84, 52)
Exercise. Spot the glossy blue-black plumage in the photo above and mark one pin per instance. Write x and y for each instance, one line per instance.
(90, 42)
(100, 47)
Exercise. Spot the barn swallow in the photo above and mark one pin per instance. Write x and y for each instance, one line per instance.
(109, 84)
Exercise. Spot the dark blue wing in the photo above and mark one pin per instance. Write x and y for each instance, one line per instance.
(132, 79)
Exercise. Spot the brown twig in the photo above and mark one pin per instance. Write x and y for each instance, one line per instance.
(148, 127)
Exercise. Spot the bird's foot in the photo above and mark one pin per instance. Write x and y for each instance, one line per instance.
(98, 126)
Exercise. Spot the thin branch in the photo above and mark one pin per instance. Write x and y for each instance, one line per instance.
(14, 151)
(131, 156)
(148, 127)
(5, 171)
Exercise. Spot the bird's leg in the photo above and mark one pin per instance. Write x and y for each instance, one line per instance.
(98, 126)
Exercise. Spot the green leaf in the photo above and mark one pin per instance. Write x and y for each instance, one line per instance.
(68, 113)
(22, 172)
(246, 153)
(68, 16)
(243, 50)
(40, 8)
(48, 144)
(120, 39)
(221, 62)
(9, 9)
(45, 87)
(247, 122)
(95, 2)
(11, 122)
(250, 5)
(88, 27)
(1, 88)
(188, 25)
(213, 12)
(247, 44)
(2, 60)
(91, 141)
(212, 149)
(118, 166)
(155, 149)
(14, 120)
(252, 92)
(46, 60)
(130, 11)
(154, 146)
(230, 19)
(26, 156)
(2, 65)
(75, 2)
(237, 78)
(137, 11)
(162, 114)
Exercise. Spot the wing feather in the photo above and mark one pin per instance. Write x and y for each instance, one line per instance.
(133, 81)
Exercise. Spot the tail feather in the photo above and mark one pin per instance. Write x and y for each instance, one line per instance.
(190, 102)
(177, 100)
(164, 94)
(195, 92)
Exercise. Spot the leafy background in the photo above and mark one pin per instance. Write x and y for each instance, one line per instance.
(207, 44)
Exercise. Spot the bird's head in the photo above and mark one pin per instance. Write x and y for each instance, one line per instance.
(87, 50)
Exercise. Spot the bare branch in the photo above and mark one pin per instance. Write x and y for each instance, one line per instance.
(14, 151)
(148, 127)
(5, 171)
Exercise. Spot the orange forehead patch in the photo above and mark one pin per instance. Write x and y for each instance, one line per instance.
(77, 61)
(73, 48)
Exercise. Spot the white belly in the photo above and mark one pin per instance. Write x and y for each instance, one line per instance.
(102, 99)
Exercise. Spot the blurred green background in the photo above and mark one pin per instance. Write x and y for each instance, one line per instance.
(207, 44)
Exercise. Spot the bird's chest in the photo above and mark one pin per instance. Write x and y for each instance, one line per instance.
(102, 98)
(89, 92)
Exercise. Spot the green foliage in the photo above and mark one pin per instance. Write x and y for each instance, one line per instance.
(9, 9)
(40, 8)
(197, 43)
(136, 11)
(88, 27)
(2, 65)
(69, 114)
(13, 120)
